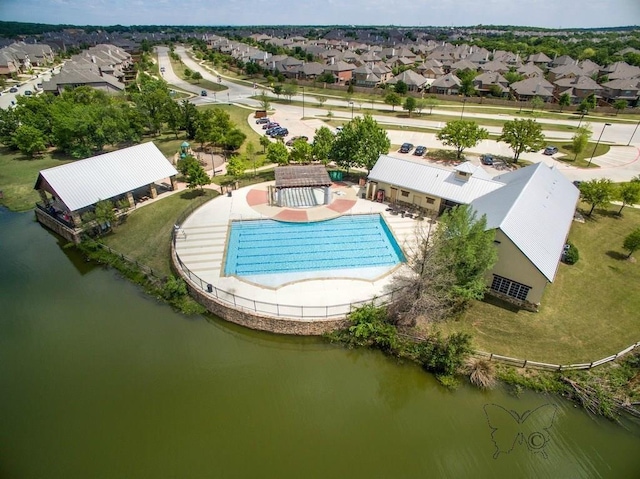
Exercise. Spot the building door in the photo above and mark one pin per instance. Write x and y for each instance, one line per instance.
(393, 194)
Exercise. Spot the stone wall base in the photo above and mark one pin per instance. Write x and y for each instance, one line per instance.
(526, 305)
(64, 231)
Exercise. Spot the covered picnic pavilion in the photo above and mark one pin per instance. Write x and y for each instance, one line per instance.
(297, 186)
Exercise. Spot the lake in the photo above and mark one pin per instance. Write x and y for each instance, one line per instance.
(99, 380)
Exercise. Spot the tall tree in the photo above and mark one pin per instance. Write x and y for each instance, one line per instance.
(400, 87)
(536, 103)
(462, 134)
(236, 166)
(263, 98)
(432, 102)
(628, 194)
(581, 139)
(264, 143)
(360, 143)
(468, 248)
(564, 100)
(190, 116)
(197, 177)
(522, 136)
(250, 151)
(277, 153)
(632, 242)
(409, 105)
(322, 144)
(290, 90)
(619, 105)
(105, 214)
(301, 151)
(29, 140)
(597, 192)
(392, 99)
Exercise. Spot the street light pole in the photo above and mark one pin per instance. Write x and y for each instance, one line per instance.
(351, 103)
(597, 142)
(303, 103)
(228, 100)
(634, 132)
(464, 101)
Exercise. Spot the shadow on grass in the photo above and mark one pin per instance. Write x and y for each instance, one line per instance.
(191, 194)
(492, 300)
(617, 255)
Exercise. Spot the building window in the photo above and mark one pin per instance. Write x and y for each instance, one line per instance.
(405, 194)
(510, 288)
(430, 201)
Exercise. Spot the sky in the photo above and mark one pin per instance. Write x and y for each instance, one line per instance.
(535, 13)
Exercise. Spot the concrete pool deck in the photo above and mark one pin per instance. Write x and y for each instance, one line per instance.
(201, 241)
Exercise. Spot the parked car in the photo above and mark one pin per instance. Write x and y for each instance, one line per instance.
(13, 90)
(406, 148)
(271, 130)
(203, 93)
(270, 125)
(486, 160)
(279, 132)
(339, 129)
(420, 150)
(28, 92)
(262, 121)
(550, 150)
(295, 138)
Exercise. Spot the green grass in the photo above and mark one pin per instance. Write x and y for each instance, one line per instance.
(582, 160)
(179, 68)
(146, 233)
(589, 312)
(18, 175)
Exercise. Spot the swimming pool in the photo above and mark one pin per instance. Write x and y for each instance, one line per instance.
(269, 247)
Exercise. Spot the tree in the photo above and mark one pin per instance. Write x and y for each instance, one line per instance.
(580, 140)
(432, 102)
(360, 143)
(277, 153)
(628, 194)
(233, 139)
(564, 100)
(263, 98)
(321, 100)
(597, 192)
(190, 115)
(462, 134)
(467, 88)
(264, 143)
(197, 177)
(421, 103)
(322, 144)
(197, 76)
(392, 99)
(496, 91)
(409, 105)
(250, 151)
(290, 90)
(29, 140)
(401, 87)
(619, 105)
(468, 248)
(301, 151)
(536, 103)
(522, 136)
(632, 242)
(187, 72)
(277, 90)
(186, 163)
(105, 214)
(236, 166)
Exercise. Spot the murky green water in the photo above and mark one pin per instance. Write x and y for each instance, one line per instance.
(99, 381)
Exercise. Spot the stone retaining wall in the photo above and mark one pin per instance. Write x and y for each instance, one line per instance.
(64, 231)
(254, 320)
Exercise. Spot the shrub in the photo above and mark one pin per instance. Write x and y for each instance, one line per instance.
(571, 255)
(481, 372)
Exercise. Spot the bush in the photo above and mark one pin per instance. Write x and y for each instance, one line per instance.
(481, 372)
(571, 255)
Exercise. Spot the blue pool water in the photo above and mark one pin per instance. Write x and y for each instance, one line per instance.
(268, 246)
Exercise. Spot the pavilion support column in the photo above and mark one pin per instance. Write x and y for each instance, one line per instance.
(43, 197)
(327, 195)
(130, 199)
(174, 183)
(279, 197)
(75, 219)
(153, 192)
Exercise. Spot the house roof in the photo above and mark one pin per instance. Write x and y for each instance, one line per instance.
(410, 77)
(533, 86)
(534, 208)
(85, 182)
(447, 81)
(581, 82)
(431, 180)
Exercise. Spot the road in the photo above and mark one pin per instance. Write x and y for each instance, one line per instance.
(8, 97)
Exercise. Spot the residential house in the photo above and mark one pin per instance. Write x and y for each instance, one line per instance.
(461, 65)
(490, 83)
(495, 66)
(529, 70)
(364, 76)
(540, 60)
(446, 85)
(414, 80)
(578, 88)
(627, 89)
(431, 69)
(341, 71)
(565, 71)
(563, 60)
(530, 88)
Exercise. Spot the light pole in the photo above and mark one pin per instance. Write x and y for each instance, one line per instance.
(597, 142)
(302, 103)
(215, 100)
(228, 100)
(634, 132)
(581, 118)
(351, 103)
(464, 101)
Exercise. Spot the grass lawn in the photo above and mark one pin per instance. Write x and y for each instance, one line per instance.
(582, 160)
(18, 175)
(179, 68)
(146, 233)
(591, 310)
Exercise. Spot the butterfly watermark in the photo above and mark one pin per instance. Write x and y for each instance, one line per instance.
(509, 428)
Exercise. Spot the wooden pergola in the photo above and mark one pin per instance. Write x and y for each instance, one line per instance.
(308, 176)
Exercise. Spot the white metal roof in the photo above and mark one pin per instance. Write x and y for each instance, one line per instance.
(534, 208)
(85, 182)
(432, 180)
